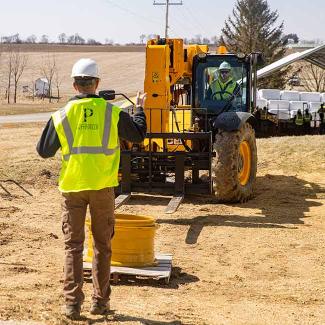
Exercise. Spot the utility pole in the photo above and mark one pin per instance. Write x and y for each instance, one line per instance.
(167, 4)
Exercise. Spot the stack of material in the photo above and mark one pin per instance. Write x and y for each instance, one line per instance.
(285, 103)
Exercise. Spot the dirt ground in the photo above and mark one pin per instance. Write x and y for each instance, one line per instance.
(256, 263)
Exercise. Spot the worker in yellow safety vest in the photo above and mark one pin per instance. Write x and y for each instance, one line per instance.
(299, 119)
(87, 131)
(223, 87)
(307, 116)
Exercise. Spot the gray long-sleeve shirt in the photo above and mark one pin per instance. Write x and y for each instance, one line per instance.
(129, 128)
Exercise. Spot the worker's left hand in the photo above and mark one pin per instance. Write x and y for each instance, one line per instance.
(141, 99)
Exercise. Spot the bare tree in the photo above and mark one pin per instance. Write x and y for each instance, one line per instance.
(12, 39)
(44, 39)
(32, 88)
(214, 39)
(142, 38)
(31, 39)
(76, 39)
(62, 38)
(108, 41)
(19, 62)
(8, 72)
(48, 68)
(57, 81)
(314, 78)
(92, 41)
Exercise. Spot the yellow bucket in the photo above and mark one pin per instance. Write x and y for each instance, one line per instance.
(133, 241)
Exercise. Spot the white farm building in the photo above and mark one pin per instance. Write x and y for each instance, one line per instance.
(42, 87)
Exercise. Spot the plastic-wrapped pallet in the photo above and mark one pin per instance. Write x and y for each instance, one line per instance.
(310, 97)
(280, 108)
(290, 95)
(279, 104)
(295, 105)
(314, 106)
(273, 94)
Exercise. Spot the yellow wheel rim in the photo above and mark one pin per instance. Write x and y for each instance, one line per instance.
(245, 163)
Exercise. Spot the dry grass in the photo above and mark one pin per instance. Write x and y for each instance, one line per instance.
(38, 106)
(292, 155)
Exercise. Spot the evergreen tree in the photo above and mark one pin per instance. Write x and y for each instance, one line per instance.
(253, 29)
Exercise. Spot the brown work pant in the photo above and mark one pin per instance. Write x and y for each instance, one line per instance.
(101, 206)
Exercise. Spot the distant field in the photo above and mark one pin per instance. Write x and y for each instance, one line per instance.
(123, 72)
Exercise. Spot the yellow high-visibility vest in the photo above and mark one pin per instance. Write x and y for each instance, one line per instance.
(88, 132)
(299, 119)
(307, 117)
(222, 91)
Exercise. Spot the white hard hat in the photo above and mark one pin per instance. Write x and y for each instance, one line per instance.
(225, 66)
(85, 68)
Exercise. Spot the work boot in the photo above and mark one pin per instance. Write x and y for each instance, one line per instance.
(98, 308)
(72, 311)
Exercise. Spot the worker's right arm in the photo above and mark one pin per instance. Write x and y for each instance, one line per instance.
(49, 142)
(134, 128)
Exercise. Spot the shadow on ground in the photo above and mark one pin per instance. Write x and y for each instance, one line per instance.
(126, 318)
(282, 201)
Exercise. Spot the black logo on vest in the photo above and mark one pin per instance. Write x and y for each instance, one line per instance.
(88, 112)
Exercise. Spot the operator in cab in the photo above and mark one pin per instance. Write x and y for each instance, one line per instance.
(224, 87)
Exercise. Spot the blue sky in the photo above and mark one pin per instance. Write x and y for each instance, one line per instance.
(125, 20)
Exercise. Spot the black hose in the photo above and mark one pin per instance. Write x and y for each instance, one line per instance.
(177, 127)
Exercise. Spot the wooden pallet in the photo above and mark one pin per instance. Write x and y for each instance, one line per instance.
(162, 270)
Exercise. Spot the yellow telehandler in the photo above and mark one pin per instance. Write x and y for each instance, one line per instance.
(200, 138)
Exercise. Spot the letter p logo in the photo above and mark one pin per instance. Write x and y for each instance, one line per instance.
(88, 112)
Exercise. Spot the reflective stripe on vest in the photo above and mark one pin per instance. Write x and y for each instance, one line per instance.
(87, 149)
(299, 120)
(222, 91)
(88, 132)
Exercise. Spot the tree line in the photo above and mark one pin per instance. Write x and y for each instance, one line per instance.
(62, 38)
(254, 27)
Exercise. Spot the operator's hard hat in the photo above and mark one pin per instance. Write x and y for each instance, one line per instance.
(225, 66)
(85, 68)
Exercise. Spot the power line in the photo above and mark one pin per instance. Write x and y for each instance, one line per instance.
(167, 4)
(194, 18)
(184, 24)
(127, 10)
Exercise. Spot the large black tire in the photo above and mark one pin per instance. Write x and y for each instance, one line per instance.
(228, 162)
